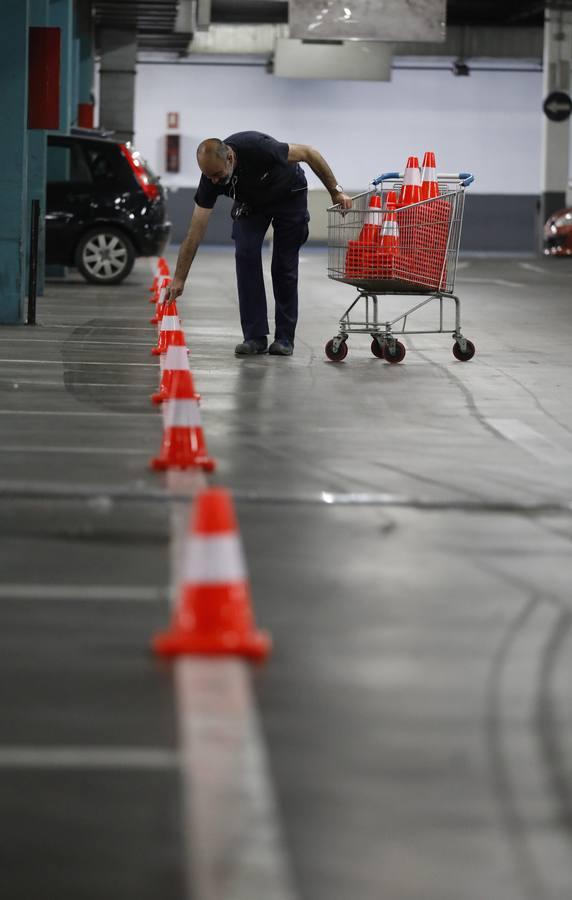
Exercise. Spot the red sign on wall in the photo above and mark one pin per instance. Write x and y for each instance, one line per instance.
(172, 120)
(44, 78)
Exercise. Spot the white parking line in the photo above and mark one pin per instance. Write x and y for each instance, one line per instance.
(132, 758)
(232, 827)
(77, 412)
(532, 268)
(118, 451)
(532, 441)
(113, 592)
(70, 381)
(502, 281)
(78, 363)
(66, 341)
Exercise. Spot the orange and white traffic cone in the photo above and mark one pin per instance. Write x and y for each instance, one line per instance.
(165, 281)
(161, 271)
(411, 188)
(183, 445)
(176, 359)
(361, 254)
(214, 612)
(371, 228)
(429, 185)
(389, 241)
(170, 323)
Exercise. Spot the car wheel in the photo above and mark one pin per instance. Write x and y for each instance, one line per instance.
(105, 255)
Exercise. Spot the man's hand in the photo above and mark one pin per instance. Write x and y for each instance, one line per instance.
(338, 197)
(175, 289)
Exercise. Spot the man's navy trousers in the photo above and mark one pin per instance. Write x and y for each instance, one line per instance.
(289, 218)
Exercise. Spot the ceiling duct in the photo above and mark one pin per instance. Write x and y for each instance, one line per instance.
(351, 61)
(367, 20)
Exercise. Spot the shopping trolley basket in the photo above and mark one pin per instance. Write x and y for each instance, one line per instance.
(412, 250)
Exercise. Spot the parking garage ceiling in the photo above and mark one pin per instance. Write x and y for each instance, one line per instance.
(154, 20)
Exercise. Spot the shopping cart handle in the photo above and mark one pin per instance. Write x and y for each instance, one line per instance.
(386, 175)
(466, 178)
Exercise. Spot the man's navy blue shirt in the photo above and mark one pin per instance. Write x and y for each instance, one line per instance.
(262, 176)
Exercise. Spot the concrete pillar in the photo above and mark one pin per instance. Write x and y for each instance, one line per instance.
(117, 81)
(13, 159)
(555, 151)
(37, 150)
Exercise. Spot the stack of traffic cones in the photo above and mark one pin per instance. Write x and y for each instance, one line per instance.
(214, 611)
(183, 445)
(429, 233)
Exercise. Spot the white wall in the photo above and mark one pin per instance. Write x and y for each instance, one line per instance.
(488, 123)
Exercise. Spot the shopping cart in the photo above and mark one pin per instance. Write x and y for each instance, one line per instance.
(413, 250)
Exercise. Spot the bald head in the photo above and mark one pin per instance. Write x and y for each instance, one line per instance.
(216, 160)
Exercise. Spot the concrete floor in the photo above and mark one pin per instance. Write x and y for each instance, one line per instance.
(408, 532)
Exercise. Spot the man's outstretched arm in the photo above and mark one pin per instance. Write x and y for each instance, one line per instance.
(318, 165)
(188, 249)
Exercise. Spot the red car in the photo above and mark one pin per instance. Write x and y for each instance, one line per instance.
(558, 233)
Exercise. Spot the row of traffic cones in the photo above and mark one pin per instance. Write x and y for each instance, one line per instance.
(213, 614)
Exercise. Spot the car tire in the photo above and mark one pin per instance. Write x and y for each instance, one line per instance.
(105, 255)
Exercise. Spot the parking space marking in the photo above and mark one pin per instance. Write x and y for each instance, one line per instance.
(233, 826)
(35, 340)
(532, 268)
(113, 592)
(532, 441)
(78, 363)
(117, 451)
(152, 414)
(501, 281)
(70, 381)
(233, 835)
(132, 758)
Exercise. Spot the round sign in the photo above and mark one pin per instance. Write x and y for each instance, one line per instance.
(557, 106)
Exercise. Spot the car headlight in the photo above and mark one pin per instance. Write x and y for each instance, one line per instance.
(562, 221)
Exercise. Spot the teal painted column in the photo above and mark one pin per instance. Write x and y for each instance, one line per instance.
(13, 159)
(86, 52)
(61, 16)
(37, 150)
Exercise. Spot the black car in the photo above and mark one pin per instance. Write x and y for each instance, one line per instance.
(104, 207)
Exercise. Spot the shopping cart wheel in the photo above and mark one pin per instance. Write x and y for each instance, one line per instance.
(466, 354)
(377, 349)
(396, 353)
(336, 355)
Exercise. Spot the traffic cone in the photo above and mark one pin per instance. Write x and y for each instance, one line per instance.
(170, 323)
(389, 241)
(161, 271)
(371, 228)
(164, 284)
(183, 445)
(214, 612)
(176, 359)
(429, 186)
(361, 254)
(411, 187)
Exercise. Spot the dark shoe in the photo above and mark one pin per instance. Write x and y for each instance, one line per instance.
(281, 348)
(251, 347)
